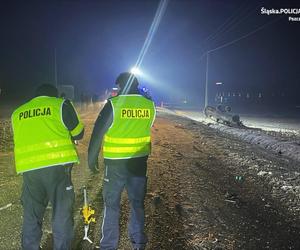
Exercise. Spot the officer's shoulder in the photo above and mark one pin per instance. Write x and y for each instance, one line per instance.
(21, 107)
(108, 103)
(66, 102)
(111, 99)
(17, 110)
(147, 97)
(67, 105)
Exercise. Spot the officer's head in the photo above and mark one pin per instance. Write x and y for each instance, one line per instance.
(127, 82)
(46, 90)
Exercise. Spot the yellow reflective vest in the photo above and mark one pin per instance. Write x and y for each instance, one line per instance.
(40, 136)
(129, 134)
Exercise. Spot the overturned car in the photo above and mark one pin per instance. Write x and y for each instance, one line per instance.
(222, 114)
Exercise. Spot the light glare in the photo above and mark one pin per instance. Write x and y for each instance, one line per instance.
(135, 71)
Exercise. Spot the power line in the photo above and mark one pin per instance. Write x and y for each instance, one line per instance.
(241, 19)
(228, 23)
(222, 25)
(226, 45)
(239, 15)
(244, 36)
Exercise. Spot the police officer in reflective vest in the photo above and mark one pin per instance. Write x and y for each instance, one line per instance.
(123, 128)
(44, 132)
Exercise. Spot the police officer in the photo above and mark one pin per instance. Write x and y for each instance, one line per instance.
(123, 127)
(44, 130)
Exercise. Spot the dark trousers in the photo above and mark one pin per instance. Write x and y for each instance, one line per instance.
(39, 187)
(116, 178)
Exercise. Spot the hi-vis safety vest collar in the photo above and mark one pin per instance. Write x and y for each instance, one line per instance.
(40, 136)
(129, 134)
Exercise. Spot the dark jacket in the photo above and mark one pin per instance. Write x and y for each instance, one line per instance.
(70, 118)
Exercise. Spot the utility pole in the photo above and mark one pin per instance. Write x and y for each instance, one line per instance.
(206, 81)
(55, 68)
(228, 44)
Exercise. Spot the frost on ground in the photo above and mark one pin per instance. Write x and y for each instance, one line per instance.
(290, 149)
(283, 142)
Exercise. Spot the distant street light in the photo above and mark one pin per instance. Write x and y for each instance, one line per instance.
(219, 83)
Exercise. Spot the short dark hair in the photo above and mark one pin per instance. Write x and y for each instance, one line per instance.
(46, 90)
(129, 78)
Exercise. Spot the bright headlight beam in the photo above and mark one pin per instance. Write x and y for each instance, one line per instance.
(155, 23)
(135, 71)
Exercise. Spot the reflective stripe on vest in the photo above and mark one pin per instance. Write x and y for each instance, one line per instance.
(40, 137)
(127, 140)
(77, 130)
(129, 134)
(144, 149)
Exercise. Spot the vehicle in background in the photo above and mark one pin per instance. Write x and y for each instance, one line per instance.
(222, 114)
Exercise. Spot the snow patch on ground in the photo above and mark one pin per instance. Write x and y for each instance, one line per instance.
(290, 149)
(283, 178)
(282, 145)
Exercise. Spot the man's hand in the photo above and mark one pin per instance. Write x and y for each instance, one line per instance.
(94, 168)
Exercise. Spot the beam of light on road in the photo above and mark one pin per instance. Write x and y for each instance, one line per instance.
(154, 26)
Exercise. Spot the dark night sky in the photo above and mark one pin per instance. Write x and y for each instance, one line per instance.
(96, 40)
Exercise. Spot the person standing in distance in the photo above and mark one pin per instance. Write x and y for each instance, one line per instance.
(44, 131)
(123, 128)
